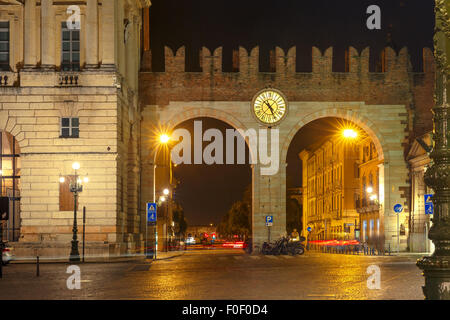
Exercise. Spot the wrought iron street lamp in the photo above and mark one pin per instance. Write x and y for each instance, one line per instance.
(75, 186)
(350, 133)
(163, 143)
(436, 268)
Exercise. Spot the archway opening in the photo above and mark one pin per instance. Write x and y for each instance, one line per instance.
(210, 201)
(9, 187)
(335, 175)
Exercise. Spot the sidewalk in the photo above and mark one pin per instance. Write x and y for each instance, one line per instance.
(169, 255)
(416, 255)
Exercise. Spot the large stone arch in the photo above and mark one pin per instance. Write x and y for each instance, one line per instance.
(9, 124)
(385, 124)
(196, 112)
(169, 118)
(366, 124)
(217, 114)
(383, 134)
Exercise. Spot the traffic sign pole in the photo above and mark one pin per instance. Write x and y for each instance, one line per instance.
(269, 223)
(398, 208)
(398, 232)
(151, 219)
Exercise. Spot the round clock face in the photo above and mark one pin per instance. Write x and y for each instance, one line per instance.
(269, 106)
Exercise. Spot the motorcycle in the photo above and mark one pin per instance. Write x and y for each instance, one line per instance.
(296, 247)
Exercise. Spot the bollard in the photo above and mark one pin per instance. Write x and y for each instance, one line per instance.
(37, 266)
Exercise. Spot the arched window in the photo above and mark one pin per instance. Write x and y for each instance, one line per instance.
(10, 186)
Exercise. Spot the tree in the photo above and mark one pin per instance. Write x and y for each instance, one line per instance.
(238, 220)
(293, 215)
(179, 220)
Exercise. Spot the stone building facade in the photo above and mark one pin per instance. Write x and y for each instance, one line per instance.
(368, 205)
(97, 77)
(419, 221)
(89, 74)
(330, 186)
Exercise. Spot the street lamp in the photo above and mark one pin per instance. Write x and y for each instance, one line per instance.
(164, 138)
(436, 268)
(350, 133)
(163, 141)
(75, 186)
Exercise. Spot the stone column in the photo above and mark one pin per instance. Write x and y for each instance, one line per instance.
(47, 34)
(108, 34)
(92, 33)
(436, 268)
(146, 57)
(30, 58)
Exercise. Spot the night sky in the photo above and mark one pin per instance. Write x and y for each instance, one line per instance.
(207, 192)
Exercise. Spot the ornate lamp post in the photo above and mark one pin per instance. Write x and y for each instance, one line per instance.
(436, 268)
(164, 143)
(75, 187)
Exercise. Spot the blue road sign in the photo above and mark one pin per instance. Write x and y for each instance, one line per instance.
(309, 229)
(151, 212)
(398, 208)
(269, 221)
(429, 208)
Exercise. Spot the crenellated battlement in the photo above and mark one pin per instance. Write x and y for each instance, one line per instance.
(396, 85)
(285, 62)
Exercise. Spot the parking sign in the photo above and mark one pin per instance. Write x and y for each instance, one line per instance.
(269, 221)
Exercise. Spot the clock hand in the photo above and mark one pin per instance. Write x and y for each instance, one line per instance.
(267, 104)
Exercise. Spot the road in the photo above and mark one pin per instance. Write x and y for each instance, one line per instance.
(221, 274)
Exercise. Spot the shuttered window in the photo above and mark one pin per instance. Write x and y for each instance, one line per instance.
(4, 46)
(65, 196)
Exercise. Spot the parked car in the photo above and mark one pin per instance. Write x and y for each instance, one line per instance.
(7, 254)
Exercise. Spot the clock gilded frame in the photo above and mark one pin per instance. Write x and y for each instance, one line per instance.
(262, 104)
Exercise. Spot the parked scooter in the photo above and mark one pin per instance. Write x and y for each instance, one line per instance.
(297, 247)
(284, 246)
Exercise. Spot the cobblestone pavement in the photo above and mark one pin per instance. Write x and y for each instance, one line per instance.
(219, 274)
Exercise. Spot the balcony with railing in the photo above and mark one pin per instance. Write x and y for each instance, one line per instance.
(8, 79)
(367, 206)
(69, 79)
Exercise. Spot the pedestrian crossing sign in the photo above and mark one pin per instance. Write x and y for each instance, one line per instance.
(429, 208)
(151, 212)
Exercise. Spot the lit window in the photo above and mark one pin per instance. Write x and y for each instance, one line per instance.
(70, 128)
(371, 228)
(70, 49)
(4, 45)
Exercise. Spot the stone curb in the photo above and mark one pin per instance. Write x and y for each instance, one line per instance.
(170, 257)
(43, 260)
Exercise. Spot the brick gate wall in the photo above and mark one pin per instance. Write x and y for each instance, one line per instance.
(392, 107)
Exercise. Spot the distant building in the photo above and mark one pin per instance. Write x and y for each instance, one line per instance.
(198, 231)
(367, 198)
(329, 185)
(297, 194)
(419, 222)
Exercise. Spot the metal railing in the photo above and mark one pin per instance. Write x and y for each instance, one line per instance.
(68, 79)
